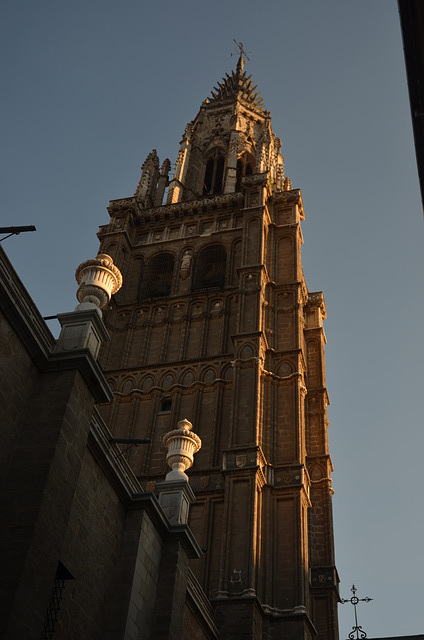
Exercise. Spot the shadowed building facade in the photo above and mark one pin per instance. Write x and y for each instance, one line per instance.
(215, 323)
(85, 553)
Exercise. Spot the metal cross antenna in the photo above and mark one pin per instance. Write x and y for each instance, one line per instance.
(241, 52)
(360, 633)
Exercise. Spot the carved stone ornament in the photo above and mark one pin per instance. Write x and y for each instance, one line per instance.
(204, 482)
(182, 444)
(241, 461)
(98, 280)
(185, 265)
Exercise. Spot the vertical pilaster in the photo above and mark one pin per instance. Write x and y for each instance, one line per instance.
(231, 176)
(324, 578)
(176, 186)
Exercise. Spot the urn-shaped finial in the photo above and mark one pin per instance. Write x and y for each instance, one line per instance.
(182, 444)
(98, 280)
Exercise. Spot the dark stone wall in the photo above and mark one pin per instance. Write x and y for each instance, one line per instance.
(91, 547)
(69, 500)
(18, 375)
(38, 490)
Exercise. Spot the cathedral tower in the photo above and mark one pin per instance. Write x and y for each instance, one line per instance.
(214, 323)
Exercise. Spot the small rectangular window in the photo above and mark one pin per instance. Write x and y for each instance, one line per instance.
(166, 405)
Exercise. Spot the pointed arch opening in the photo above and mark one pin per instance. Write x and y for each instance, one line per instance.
(214, 174)
(209, 268)
(157, 279)
(245, 167)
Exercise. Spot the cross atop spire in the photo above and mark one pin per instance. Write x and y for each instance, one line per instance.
(242, 55)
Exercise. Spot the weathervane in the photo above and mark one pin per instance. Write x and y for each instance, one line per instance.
(355, 600)
(241, 52)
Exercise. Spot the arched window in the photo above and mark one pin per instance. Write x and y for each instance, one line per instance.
(214, 174)
(245, 165)
(209, 268)
(157, 279)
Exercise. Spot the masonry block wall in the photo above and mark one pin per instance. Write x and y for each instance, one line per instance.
(48, 413)
(90, 551)
(19, 375)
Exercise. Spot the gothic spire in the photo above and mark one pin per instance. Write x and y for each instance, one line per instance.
(237, 85)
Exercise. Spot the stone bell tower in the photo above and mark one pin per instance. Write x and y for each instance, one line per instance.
(215, 324)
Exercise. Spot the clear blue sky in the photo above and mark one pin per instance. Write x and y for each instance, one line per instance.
(89, 88)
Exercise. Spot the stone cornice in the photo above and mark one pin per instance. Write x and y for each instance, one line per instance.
(148, 502)
(290, 197)
(317, 391)
(20, 311)
(318, 333)
(255, 180)
(176, 388)
(253, 471)
(159, 366)
(295, 614)
(246, 335)
(90, 370)
(196, 598)
(254, 450)
(121, 203)
(199, 295)
(178, 209)
(296, 376)
(239, 363)
(248, 462)
(203, 204)
(185, 536)
(167, 320)
(327, 482)
(109, 458)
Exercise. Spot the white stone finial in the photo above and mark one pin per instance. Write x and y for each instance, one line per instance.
(98, 280)
(182, 444)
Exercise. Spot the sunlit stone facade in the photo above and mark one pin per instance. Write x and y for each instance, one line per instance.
(215, 324)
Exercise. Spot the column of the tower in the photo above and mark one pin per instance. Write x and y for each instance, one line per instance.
(238, 607)
(176, 185)
(324, 578)
(231, 175)
(286, 499)
(249, 348)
